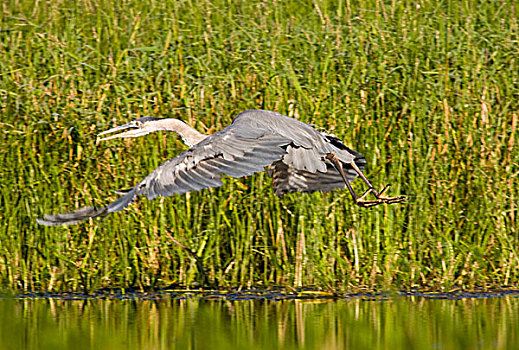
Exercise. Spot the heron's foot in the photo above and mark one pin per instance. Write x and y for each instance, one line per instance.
(363, 202)
(381, 198)
(387, 199)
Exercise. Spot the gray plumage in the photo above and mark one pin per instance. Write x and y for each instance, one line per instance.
(294, 152)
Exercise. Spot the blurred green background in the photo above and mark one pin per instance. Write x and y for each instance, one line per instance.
(426, 90)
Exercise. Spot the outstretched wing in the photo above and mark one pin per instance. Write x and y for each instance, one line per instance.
(202, 166)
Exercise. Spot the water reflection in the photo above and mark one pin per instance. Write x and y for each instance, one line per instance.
(358, 323)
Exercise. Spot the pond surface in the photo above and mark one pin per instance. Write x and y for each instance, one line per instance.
(459, 321)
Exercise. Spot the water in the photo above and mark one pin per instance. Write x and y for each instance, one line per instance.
(363, 322)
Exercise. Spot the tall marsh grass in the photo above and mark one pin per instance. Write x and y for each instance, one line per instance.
(427, 90)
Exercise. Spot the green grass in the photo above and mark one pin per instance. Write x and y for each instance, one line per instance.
(428, 91)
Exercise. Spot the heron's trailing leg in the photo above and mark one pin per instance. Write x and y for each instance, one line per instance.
(365, 179)
(381, 197)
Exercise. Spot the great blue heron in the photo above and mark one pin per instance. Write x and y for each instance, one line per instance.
(298, 157)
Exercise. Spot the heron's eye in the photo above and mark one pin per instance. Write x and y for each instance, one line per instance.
(138, 124)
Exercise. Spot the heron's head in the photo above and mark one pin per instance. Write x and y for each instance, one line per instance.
(136, 128)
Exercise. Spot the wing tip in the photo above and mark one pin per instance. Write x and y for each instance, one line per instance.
(71, 218)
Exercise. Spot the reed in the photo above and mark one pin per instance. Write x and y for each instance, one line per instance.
(427, 91)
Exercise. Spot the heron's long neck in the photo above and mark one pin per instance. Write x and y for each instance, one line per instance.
(190, 136)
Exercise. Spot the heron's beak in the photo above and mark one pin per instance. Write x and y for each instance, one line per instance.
(135, 131)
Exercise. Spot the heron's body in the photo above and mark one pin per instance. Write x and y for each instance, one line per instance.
(298, 157)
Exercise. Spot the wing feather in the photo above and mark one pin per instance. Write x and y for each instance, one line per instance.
(224, 153)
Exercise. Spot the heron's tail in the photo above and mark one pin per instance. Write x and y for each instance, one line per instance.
(86, 213)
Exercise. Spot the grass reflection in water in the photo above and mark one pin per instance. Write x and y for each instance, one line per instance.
(194, 323)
